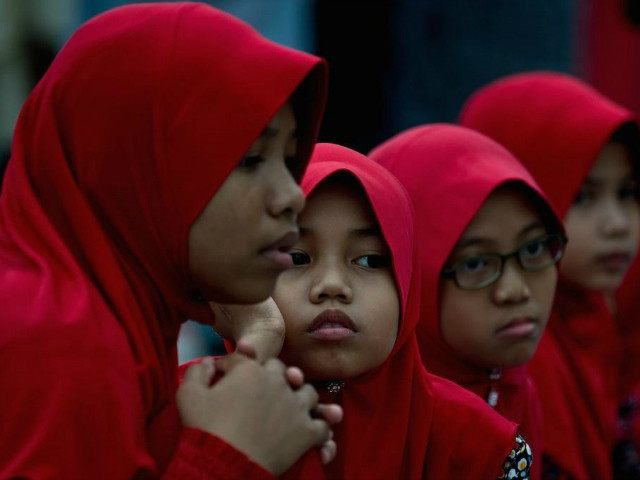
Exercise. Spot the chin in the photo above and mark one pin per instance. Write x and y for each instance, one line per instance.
(519, 358)
(322, 373)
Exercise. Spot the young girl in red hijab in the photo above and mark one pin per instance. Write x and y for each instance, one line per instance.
(582, 149)
(351, 303)
(489, 244)
(153, 168)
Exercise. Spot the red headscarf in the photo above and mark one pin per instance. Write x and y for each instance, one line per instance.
(133, 129)
(449, 172)
(610, 45)
(399, 420)
(557, 126)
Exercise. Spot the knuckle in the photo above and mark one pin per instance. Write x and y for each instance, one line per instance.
(309, 394)
(274, 364)
(320, 430)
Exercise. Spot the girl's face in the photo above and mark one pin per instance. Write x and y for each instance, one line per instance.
(499, 325)
(240, 242)
(603, 224)
(339, 300)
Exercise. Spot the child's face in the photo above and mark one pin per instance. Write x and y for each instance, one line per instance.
(339, 301)
(603, 224)
(239, 243)
(498, 325)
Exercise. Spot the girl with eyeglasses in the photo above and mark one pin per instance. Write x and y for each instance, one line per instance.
(583, 149)
(489, 243)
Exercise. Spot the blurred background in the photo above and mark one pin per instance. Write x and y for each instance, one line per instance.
(394, 63)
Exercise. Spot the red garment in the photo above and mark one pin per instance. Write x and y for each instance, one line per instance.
(399, 420)
(610, 49)
(449, 172)
(557, 126)
(628, 320)
(135, 126)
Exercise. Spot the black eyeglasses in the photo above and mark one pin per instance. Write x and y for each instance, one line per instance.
(482, 270)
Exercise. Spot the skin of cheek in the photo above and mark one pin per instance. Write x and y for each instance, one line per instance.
(330, 278)
(347, 359)
(254, 208)
(226, 239)
(218, 270)
(469, 320)
(576, 265)
(602, 221)
(579, 265)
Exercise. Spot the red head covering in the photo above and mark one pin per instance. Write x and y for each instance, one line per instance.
(400, 421)
(133, 129)
(450, 172)
(557, 126)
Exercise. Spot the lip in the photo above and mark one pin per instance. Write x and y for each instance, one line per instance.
(278, 251)
(518, 327)
(615, 262)
(332, 325)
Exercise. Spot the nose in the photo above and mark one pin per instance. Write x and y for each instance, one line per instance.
(330, 283)
(286, 197)
(511, 287)
(615, 219)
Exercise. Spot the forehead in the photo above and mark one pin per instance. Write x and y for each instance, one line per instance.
(284, 117)
(507, 210)
(343, 203)
(614, 161)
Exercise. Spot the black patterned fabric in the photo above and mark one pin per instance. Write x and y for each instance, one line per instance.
(518, 462)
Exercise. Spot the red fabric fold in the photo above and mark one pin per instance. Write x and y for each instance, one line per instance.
(200, 455)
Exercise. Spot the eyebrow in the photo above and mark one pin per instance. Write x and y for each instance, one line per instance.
(365, 232)
(593, 182)
(270, 132)
(360, 232)
(596, 182)
(466, 242)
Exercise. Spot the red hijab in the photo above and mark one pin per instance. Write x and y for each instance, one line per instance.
(135, 126)
(449, 172)
(400, 421)
(557, 126)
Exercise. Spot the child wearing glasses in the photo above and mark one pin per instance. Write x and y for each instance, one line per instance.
(350, 304)
(489, 244)
(583, 150)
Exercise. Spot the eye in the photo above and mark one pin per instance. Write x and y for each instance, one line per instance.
(472, 265)
(630, 191)
(534, 249)
(300, 258)
(372, 261)
(583, 197)
(250, 162)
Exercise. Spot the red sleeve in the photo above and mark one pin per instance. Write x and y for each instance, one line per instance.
(71, 403)
(72, 407)
(201, 456)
